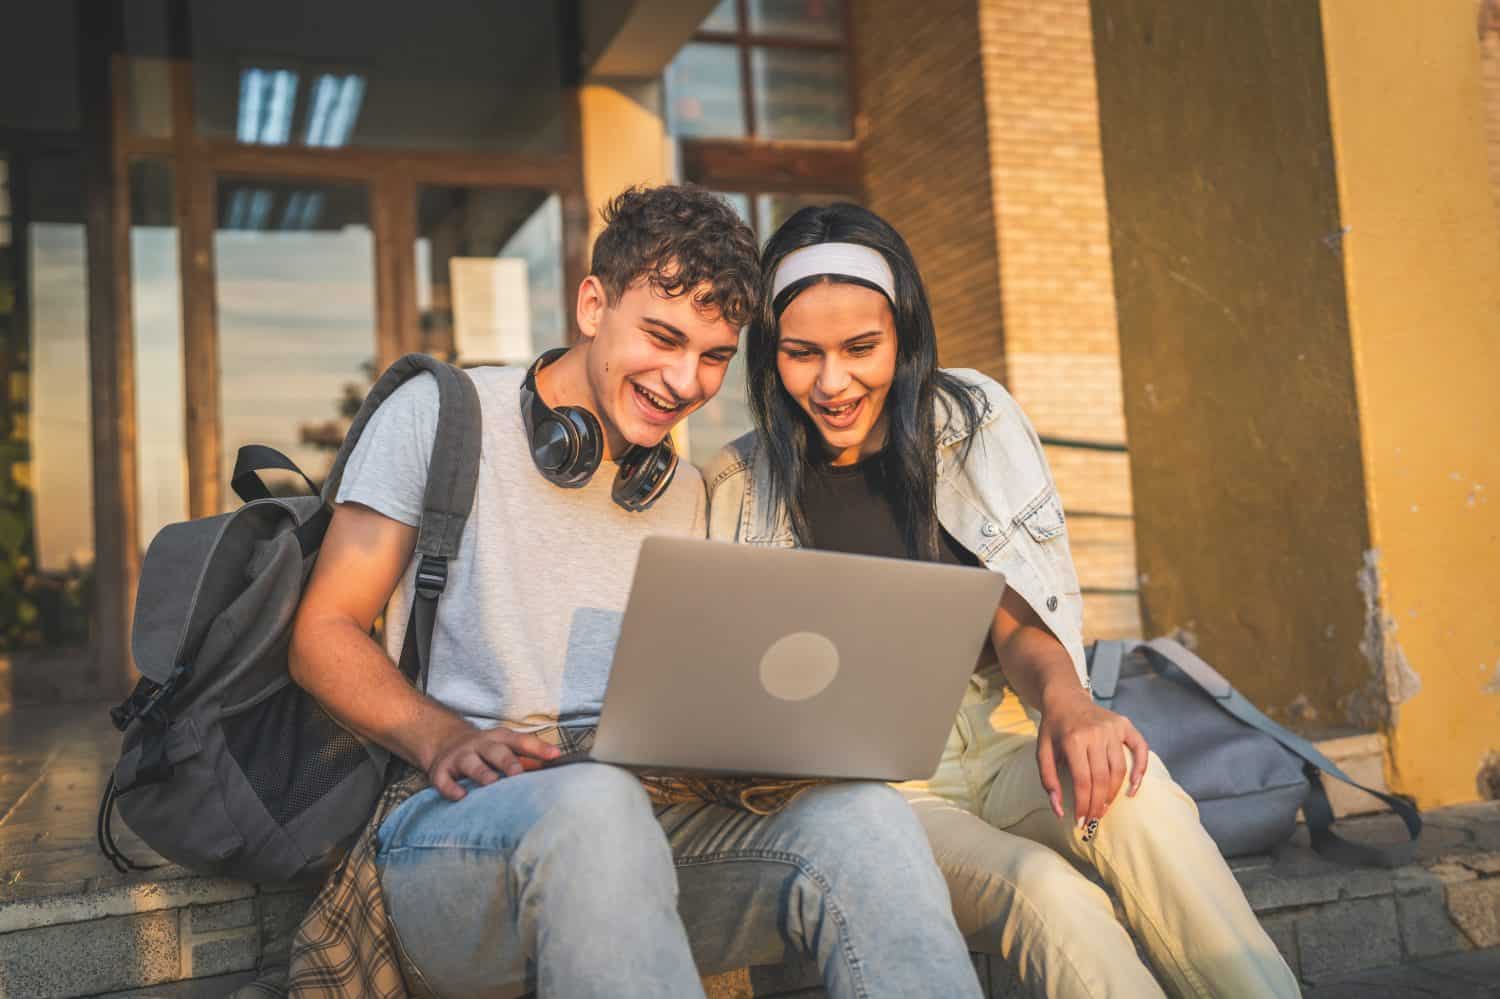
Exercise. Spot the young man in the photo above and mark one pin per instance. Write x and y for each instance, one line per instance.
(501, 875)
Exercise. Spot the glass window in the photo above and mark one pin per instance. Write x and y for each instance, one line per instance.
(725, 17)
(741, 205)
(704, 93)
(800, 94)
(490, 273)
(46, 459)
(156, 313)
(791, 52)
(820, 20)
(295, 279)
(373, 73)
(773, 209)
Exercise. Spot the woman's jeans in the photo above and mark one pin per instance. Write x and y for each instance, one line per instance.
(1023, 880)
(568, 881)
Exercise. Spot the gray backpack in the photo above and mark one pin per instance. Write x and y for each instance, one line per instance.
(228, 767)
(1248, 775)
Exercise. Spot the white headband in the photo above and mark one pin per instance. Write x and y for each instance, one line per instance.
(847, 259)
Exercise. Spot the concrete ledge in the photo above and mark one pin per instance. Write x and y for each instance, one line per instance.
(119, 900)
(71, 925)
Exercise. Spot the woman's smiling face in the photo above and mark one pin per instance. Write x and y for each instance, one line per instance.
(836, 355)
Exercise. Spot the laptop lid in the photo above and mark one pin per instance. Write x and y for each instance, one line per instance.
(791, 662)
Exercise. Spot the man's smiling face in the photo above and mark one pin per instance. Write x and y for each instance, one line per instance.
(653, 360)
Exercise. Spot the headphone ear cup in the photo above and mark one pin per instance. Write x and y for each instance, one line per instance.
(590, 438)
(554, 444)
(566, 443)
(644, 475)
(567, 446)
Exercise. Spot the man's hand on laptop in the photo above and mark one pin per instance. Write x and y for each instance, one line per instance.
(484, 756)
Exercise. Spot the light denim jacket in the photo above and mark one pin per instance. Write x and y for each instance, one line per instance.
(1001, 504)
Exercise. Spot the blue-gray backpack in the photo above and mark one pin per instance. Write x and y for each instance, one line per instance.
(228, 767)
(1248, 775)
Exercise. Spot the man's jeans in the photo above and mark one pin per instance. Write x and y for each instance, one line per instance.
(566, 880)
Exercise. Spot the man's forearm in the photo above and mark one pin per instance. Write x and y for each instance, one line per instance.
(351, 676)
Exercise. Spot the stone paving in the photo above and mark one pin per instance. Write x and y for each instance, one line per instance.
(71, 925)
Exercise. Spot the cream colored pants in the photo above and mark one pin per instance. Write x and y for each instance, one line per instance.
(1017, 874)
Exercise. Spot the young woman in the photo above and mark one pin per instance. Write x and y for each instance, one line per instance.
(865, 445)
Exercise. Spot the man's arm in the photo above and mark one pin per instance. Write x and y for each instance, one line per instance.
(333, 657)
(1074, 730)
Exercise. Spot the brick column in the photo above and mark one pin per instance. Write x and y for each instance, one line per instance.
(979, 132)
(922, 129)
(1062, 349)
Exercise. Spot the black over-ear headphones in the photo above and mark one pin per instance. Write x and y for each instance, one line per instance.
(567, 445)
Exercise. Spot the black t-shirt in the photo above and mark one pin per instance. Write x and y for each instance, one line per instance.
(851, 508)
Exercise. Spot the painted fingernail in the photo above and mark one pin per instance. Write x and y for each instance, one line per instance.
(1079, 824)
(1057, 808)
(1090, 829)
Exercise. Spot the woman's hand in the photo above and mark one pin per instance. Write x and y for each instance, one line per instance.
(1091, 742)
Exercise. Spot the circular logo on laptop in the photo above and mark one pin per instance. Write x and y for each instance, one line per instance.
(799, 666)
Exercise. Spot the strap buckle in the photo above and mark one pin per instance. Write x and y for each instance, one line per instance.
(148, 699)
(122, 714)
(432, 576)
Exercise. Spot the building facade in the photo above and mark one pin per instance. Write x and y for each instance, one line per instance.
(1236, 260)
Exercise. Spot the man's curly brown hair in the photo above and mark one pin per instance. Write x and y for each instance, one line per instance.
(684, 240)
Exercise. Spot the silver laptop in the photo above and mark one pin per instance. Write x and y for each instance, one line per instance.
(736, 659)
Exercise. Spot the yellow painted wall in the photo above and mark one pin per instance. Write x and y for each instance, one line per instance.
(1422, 270)
(624, 141)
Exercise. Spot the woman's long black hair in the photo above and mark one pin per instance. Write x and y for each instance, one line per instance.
(786, 431)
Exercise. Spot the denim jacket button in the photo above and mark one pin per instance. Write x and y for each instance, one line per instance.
(1052, 603)
(990, 529)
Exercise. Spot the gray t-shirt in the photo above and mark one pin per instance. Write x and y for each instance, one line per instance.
(526, 628)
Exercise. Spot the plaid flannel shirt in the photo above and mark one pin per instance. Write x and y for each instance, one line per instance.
(346, 947)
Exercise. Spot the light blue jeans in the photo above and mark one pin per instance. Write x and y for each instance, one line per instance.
(567, 881)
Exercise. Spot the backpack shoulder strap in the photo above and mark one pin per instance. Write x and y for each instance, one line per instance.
(452, 472)
(1316, 809)
(454, 466)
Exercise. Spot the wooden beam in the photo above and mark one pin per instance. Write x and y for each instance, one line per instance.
(111, 349)
(746, 38)
(393, 221)
(784, 167)
(421, 166)
(197, 209)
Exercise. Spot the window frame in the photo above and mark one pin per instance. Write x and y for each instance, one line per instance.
(758, 165)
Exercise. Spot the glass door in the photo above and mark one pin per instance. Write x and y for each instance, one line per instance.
(489, 273)
(296, 304)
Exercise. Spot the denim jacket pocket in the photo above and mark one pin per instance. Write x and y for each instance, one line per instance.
(1044, 519)
(1044, 524)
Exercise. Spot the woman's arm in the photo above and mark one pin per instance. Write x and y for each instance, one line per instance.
(1089, 740)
